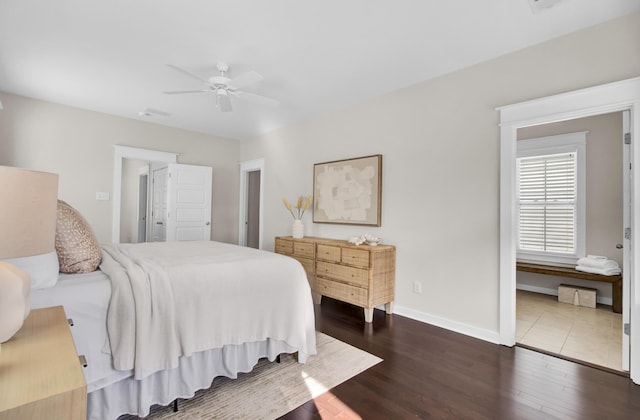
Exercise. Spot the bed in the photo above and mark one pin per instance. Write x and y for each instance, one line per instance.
(232, 306)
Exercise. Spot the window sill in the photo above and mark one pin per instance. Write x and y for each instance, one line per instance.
(569, 261)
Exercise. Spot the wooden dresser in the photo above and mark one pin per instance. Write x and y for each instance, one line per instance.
(358, 274)
(40, 373)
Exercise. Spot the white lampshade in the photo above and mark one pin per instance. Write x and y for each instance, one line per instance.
(28, 203)
(14, 299)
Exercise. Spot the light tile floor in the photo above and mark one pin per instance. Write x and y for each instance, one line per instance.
(591, 335)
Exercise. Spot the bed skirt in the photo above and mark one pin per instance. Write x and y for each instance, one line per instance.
(130, 396)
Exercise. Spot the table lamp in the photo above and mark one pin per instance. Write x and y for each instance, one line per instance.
(28, 203)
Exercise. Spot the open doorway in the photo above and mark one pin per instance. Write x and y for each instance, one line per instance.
(253, 209)
(593, 226)
(143, 198)
(250, 228)
(597, 100)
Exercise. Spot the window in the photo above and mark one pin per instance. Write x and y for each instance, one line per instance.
(551, 199)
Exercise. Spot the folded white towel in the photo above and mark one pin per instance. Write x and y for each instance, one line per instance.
(603, 263)
(603, 271)
(597, 257)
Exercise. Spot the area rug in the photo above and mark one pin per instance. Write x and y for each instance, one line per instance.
(272, 389)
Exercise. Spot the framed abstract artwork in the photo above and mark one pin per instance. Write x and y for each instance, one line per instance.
(348, 191)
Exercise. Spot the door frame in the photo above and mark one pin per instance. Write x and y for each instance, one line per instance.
(126, 152)
(245, 168)
(607, 98)
(627, 210)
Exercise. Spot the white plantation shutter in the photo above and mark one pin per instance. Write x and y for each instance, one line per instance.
(547, 204)
(551, 175)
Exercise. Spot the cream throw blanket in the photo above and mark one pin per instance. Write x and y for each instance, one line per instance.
(171, 299)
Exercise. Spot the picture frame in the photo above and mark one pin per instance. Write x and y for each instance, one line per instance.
(348, 192)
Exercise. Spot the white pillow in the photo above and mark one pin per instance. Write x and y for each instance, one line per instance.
(42, 269)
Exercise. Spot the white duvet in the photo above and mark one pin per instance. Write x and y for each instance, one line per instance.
(172, 299)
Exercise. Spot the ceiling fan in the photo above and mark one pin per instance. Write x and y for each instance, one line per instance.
(224, 88)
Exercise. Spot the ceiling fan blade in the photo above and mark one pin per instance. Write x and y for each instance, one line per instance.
(244, 79)
(177, 92)
(252, 97)
(188, 73)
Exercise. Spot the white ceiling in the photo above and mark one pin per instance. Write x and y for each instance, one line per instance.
(110, 55)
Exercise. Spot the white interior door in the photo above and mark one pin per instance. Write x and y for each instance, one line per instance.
(159, 207)
(189, 200)
(626, 217)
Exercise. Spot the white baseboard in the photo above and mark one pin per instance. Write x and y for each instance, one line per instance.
(554, 292)
(459, 327)
(480, 333)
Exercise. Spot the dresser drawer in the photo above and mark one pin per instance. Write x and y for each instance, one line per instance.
(357, 257)
(284, 247)
(344, 292)
(352, 275)
(308, 264)
(329, 253)
(304, 249)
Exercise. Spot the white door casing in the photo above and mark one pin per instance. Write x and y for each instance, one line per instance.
(627, 206)
(189, 203)
(126, 152)
(611, 97)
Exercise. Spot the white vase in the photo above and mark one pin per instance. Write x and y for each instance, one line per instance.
(297, 230)
(15, 305)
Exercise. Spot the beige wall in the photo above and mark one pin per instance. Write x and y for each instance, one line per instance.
(440, 146)
(78, 145)
(603, 191)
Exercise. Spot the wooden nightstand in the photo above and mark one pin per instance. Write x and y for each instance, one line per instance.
(40, 373)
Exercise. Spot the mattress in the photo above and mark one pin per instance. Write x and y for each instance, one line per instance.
(85, 298)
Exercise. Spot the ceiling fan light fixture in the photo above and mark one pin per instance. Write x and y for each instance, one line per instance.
(222, 100)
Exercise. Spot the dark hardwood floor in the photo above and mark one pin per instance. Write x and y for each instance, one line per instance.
(429, 372)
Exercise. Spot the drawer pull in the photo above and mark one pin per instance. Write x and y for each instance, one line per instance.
(70, 322)
(83, 360)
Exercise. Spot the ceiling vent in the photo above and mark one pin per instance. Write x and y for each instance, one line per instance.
(539, 5)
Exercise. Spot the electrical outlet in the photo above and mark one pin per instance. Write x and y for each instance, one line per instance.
(417, 287)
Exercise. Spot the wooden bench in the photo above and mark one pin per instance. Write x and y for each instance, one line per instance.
(616, 281)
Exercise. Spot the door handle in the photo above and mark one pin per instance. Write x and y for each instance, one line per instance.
(208, 223)
(619, 246)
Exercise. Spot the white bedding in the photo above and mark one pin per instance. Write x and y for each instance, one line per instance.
(194, 296)
(114, 392)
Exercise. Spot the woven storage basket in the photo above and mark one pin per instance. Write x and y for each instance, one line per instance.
(577, 295)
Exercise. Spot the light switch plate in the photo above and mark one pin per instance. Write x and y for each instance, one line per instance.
(102, 196)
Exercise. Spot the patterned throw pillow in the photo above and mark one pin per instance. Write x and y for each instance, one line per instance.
(76, 245)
